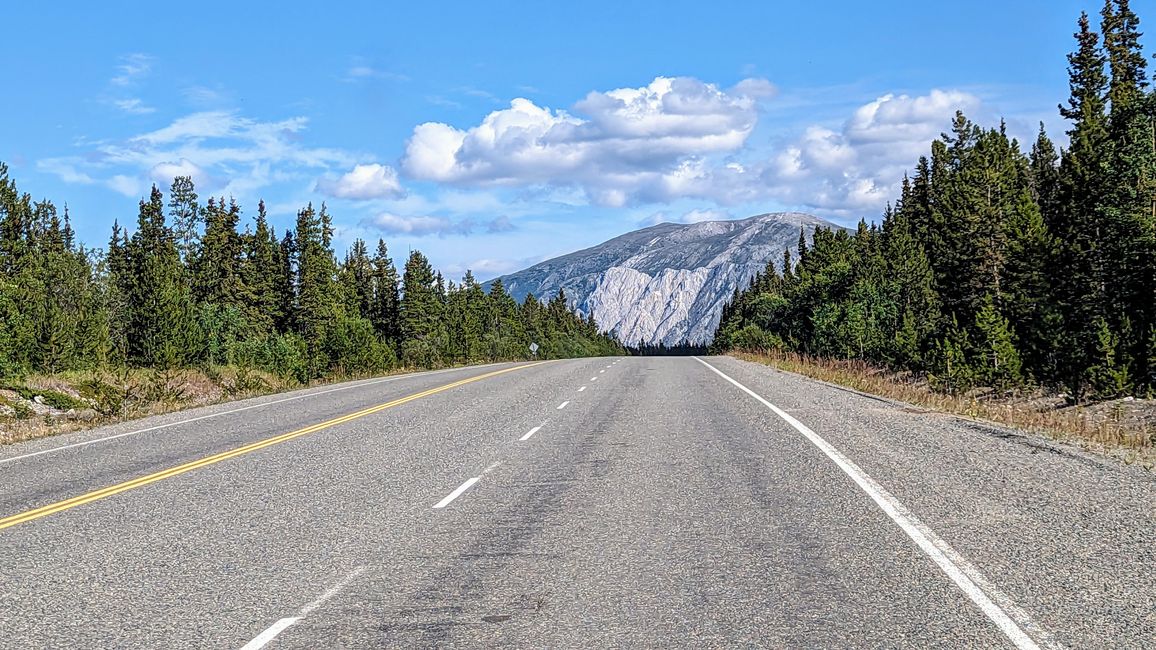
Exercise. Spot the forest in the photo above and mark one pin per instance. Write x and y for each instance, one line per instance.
(996, 267)
(188, 287)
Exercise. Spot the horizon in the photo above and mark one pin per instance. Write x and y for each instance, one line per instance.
(488, 159)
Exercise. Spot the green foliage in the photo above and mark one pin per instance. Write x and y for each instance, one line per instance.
(353, 347)
(194, 289)
(996, 268)
(997, 360)
(753, 338)
(1109, 376)
(285, 355)
(953, 371)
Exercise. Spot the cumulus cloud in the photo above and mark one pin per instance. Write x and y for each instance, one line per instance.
(629, 144)
(859, 166)
(364, 182)
(424, 225)
(681, 138)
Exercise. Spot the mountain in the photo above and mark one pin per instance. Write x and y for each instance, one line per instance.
(666, 283)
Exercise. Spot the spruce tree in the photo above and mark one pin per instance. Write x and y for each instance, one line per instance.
(420, 312)
(1080, 269)
(384, 311)
(260, 273)
(162, 331)
(185, 214)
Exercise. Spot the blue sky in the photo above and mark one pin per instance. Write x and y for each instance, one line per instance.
(494, 135)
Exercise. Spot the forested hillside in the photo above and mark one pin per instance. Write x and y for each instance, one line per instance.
(997, 266)
(190, 286)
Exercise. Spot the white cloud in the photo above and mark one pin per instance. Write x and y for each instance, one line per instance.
(133, 106)
(248, 153)
(163, 173)
(423, 225)
(621, 149)
(205, 96)
(360, 71)
(693, 216)
(681, 138)
(755, 87)
(126, 185)
(132, 67)
(859, 167)
(364, 182)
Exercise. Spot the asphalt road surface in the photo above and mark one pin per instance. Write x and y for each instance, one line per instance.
(635, 502)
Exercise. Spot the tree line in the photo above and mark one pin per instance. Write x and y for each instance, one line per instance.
(188, 287)
(995, 266)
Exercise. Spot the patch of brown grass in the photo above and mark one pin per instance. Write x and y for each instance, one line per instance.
(1123, 429)
(125, 394)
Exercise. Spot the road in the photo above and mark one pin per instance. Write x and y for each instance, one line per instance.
(630, 502)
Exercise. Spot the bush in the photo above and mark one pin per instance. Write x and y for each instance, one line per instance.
(352, 345)
(752, 337)
(284, 355)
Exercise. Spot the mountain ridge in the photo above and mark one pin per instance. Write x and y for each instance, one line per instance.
(665, 283)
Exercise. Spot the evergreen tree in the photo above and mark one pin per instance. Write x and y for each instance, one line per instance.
(260, 275)
(1080, 268)
(185, 214)
(217, 275)
(162, 330)
(420, 312)
(384, 311)
(318, 306)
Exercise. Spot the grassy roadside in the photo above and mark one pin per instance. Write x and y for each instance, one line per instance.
(1124, 429)
(38, 406)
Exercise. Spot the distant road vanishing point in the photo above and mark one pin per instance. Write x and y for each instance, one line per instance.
(613, 502)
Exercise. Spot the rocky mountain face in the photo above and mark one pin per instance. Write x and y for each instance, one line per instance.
(666, 283)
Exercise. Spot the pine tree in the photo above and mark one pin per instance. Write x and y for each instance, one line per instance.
(217, 266)
(185, 214)
(357, 280)
(1080, 268)
(384, 312)
(1045, 177)
(999, 363)
(318, 306)
(1128, 205)
(260, 274)
(420, 312)
(162, 331)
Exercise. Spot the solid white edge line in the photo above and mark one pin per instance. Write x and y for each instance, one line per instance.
(372, 382)
(270, 632)
(1007, 616)
(563, 405)
(530, 433)
(458, 492)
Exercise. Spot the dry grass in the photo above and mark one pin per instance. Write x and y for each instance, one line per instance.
(120, 395)
(1125, 429)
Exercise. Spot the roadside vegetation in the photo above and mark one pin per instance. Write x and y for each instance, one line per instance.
(1123, 428)
(189, 308)
(999, 278)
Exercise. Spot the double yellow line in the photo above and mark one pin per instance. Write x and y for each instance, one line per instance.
(68, 504)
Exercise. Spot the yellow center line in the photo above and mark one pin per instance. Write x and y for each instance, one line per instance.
(111, 490)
